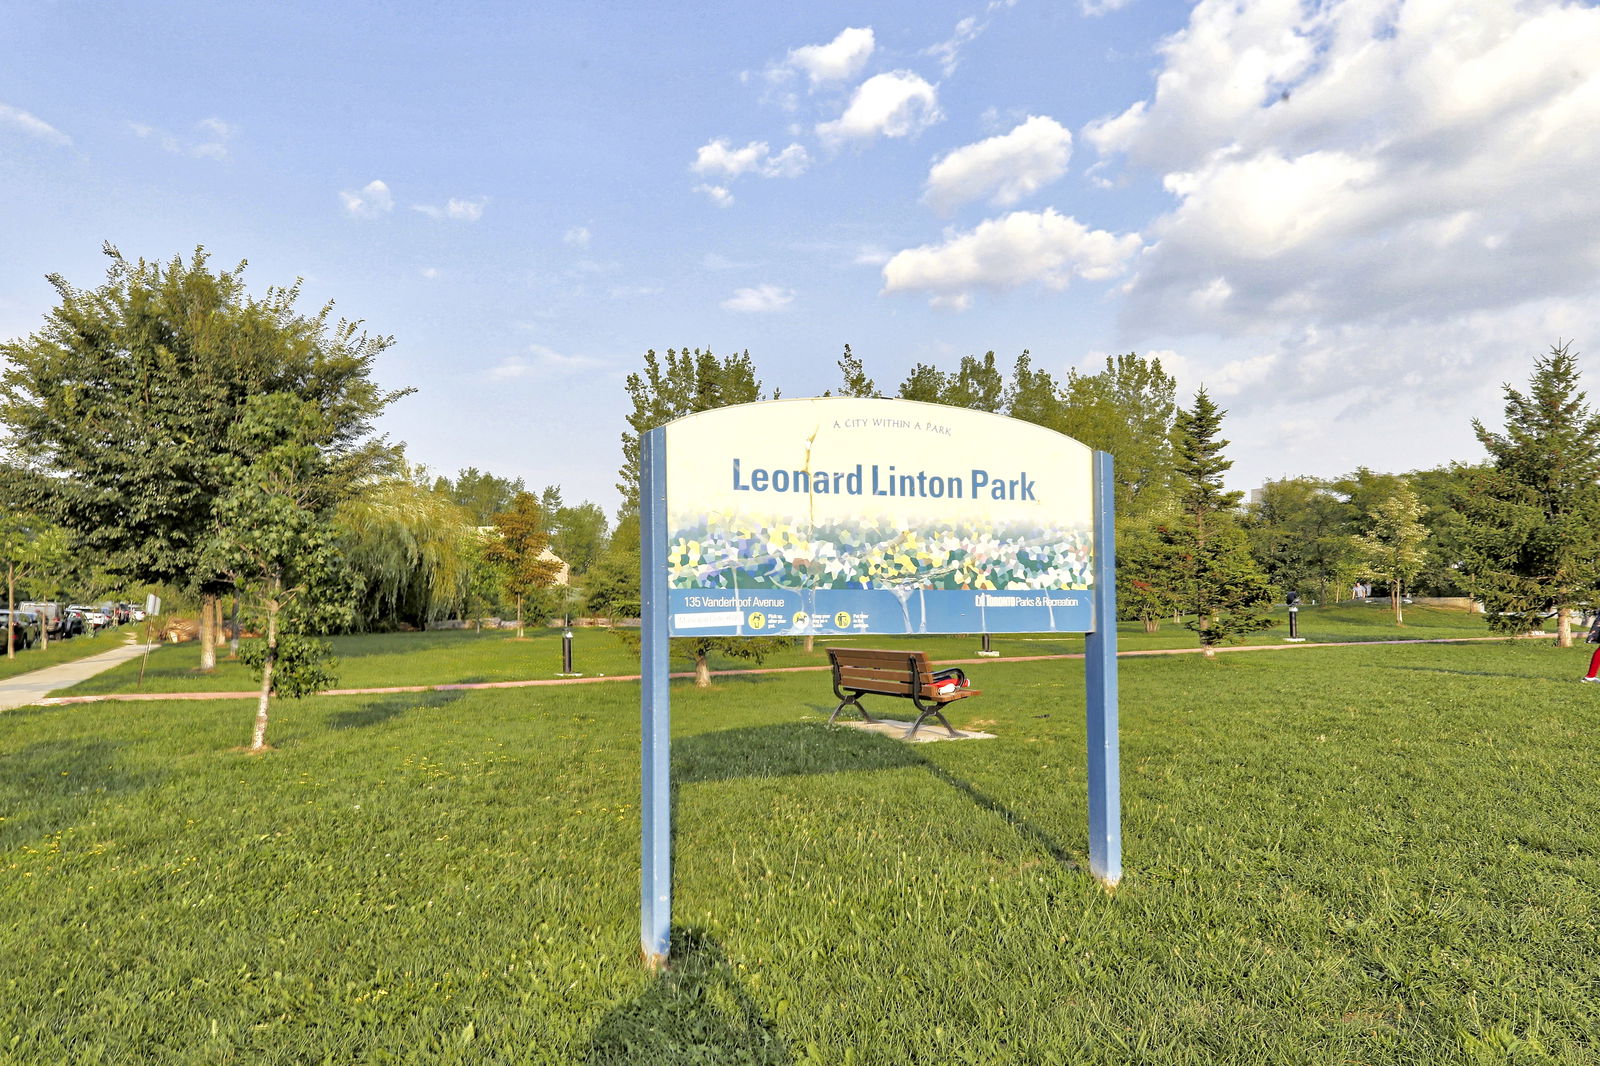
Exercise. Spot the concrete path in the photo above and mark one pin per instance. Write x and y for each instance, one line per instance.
(29, 688)
(600, 679)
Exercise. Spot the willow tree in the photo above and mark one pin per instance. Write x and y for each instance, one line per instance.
(409, 547)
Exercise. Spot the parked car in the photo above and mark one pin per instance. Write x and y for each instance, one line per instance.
(73, 622)
(94, 619)
(24, 627)
(51, 616)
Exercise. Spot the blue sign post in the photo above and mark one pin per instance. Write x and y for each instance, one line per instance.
(843, 515)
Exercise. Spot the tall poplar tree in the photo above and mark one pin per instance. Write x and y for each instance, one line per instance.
(1533, 518)
(1213, 574)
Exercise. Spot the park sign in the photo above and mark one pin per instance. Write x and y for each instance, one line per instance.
(841, 517)
(845, 515)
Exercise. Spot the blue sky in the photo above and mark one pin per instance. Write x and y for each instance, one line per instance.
(1350, 220)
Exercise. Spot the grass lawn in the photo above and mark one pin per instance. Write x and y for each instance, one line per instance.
(63, 651)
(384, 660)
(1342, 855)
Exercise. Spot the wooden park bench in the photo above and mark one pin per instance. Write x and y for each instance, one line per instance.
(905, 675)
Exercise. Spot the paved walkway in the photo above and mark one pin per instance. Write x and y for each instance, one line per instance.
(134, 697)
(29, 688)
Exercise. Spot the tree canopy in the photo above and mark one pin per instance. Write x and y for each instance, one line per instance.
(138, 382)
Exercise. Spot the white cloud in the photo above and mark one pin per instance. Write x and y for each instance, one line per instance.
(759, 299)
(457, 210)
(369, 201)
(718, 158)
(430, 272)
(1005, 168)
(540, 362)
(839, 60)
(948, 52)
(1101, 7)
(210, 142)
(1348, 173)
(577, 237)
(718, 194)
(897, 104)
(18, 119)
(1021, 248)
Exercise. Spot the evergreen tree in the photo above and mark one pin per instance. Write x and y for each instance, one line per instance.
(1214, 576)
(1533, 518)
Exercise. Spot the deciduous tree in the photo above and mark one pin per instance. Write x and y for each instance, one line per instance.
(519, 544)
(275, 540)
(1393, 547)
(120, 406)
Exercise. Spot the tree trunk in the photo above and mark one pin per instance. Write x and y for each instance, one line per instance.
(702, 671)
(1394, 601)
(258, 739)
(519, 617)
(1564, 627)
(219, 631)
(11, 607)
(208, 644)
(233, 629)
(811, 643)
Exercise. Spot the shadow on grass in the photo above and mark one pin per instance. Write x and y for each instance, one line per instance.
(815, 748)
(1476, 673)
(697, 1011)
(47, 786)
(386, 708)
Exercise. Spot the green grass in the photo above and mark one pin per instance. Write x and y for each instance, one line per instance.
(386, 660)
(1368, 855)
(59, 651)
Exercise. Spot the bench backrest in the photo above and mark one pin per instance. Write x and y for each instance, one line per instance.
(892, 673)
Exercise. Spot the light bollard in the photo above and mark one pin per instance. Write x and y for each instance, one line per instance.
(566, 654)
(988, 652)
(1294, 625)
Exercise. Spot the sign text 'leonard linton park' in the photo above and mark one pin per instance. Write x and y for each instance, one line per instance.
(875, 516)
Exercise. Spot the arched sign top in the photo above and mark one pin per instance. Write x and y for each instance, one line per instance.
(842, 514)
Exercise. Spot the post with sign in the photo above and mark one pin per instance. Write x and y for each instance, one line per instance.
(846, 515)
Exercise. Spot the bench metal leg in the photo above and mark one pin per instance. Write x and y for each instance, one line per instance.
(854, 699)
(931, 712)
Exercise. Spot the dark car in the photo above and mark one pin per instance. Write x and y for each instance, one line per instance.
(24, 628)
